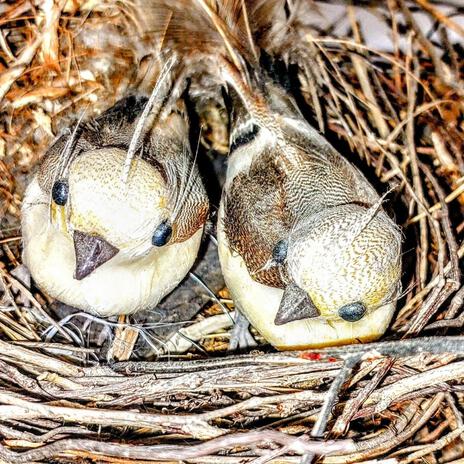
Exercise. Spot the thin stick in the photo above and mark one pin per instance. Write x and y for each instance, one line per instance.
(177, 452)
(330, 401)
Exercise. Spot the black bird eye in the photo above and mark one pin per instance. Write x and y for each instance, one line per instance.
(279, 253)
(60, 192)
(352, 312)
(162, 234)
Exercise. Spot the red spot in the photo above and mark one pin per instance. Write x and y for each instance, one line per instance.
(332, 359)
(311, 356)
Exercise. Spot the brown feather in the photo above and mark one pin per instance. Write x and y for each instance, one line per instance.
(163, 147)
(256, 218)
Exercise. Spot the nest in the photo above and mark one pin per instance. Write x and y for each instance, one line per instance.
(67, 396)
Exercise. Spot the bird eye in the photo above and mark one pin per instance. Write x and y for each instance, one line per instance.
(352, 312)
(279, 253)
(60, 192)
(162, 234)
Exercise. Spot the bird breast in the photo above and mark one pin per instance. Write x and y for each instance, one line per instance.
(120, 286)
(260, 304)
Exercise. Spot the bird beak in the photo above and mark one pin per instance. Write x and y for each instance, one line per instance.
(91, 251)
(296, 304)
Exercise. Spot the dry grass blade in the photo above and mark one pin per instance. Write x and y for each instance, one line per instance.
(398, 108)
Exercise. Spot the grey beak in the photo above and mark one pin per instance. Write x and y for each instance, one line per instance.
(91, 252)
(296, 304)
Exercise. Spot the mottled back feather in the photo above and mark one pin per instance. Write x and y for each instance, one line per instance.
(256, 218)
(263, 204)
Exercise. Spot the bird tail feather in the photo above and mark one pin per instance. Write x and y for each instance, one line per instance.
(221, 39)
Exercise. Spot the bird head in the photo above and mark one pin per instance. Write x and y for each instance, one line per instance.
(107, 204)
(342, 263)
(112, 229)
(106, 214)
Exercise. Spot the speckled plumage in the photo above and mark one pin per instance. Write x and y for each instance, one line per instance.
(286, 182)
(342, 247)
(264, 202)
(112, 217)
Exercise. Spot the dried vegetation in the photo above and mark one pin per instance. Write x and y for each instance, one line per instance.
(398, 401)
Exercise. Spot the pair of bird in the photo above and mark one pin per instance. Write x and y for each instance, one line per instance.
(114, 216)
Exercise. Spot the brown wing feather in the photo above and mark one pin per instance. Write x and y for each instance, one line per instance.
(262, 204)
(256, 219)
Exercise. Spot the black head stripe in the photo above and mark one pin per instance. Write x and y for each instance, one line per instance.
(247, 135)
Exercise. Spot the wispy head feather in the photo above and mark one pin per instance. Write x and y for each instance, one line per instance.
(152, 108)
(369, 215)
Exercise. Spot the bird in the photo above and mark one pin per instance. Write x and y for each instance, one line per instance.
(308, 253)
(112, 219)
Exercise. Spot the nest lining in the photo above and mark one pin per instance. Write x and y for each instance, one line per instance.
(397, 401)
